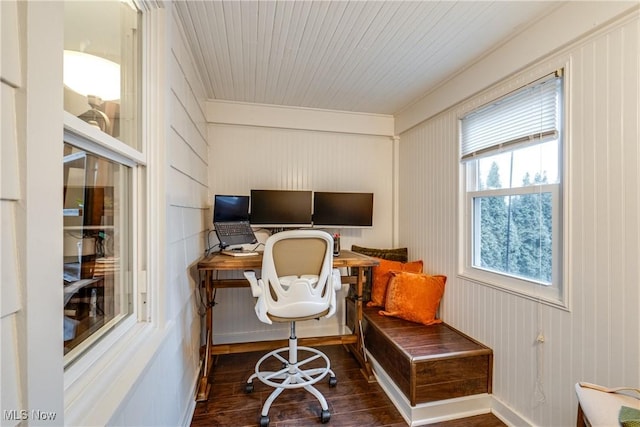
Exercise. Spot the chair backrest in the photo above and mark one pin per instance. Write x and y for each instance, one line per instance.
(293, 254)
(298, 256)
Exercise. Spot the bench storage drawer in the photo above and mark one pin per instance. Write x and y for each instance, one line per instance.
(428, 363)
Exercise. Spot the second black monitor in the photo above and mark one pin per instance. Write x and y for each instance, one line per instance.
(281, 208)
(331, 209)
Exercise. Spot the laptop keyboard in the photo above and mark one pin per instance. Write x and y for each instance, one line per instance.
(234, 229)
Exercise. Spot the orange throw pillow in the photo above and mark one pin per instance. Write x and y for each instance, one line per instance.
(382, 274)
(414, 297)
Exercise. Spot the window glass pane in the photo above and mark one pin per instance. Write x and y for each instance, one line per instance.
(514, 235)
(102, 66)
(533, 165)
(97, 247)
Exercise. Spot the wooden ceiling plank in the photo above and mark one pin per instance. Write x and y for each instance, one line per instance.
(347, 20)
(233, 26)
(196, 45)
(213, 25)
(280, 30)
(308, 46)
(360, 65)
(412, 24)
(351, 55)
(266, 17)
(472, 19)
(299, 18)
(249, 14)
(321, 49)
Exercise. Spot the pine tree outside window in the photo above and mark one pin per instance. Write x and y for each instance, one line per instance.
(511, 156)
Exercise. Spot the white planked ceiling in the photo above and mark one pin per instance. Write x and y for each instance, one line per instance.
(364, 56)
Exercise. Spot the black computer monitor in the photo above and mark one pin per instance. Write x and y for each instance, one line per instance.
(281, 208)
(333, 209)
(230, 208)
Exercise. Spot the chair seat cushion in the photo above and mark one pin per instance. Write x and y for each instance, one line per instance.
(602, 408)
(286, 281)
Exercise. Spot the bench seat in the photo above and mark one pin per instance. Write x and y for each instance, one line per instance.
(427, 363)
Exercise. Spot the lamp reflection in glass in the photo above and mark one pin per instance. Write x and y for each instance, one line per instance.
(96, 80)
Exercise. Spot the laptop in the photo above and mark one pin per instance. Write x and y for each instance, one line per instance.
(231, 220)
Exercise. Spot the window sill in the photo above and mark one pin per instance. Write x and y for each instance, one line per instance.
(96, 385)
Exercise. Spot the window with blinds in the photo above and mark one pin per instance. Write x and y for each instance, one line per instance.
(530, 115)
(510, 152)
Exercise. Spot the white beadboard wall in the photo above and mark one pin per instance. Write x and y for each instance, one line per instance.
(243, 157)
(598, 339)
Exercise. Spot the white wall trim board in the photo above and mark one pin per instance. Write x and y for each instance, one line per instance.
(243, 113)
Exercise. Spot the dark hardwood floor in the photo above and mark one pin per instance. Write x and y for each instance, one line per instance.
(353, 402)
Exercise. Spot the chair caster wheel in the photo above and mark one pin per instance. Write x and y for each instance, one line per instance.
(248, 388)
(333, 381)
(325, 416)
(264, 421)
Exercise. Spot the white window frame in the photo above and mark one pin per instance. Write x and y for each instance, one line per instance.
(135, 335)
(556, 294)
(84, 136)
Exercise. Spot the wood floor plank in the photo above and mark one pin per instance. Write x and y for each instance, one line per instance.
(353, 402)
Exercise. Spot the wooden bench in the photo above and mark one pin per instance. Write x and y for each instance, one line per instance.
(427, 363)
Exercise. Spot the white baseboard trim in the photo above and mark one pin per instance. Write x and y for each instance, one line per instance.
(426, 413)
(508, 415)
(188, 413)
(187, 417)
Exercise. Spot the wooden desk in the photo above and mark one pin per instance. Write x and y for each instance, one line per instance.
(208, 268)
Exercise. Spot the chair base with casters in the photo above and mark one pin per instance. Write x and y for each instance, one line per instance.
(298, 283)
(293, 375)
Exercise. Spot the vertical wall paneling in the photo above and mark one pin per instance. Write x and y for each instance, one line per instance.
(297, 159)
(598, 340)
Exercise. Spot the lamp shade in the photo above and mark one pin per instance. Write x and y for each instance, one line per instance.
(91, 75)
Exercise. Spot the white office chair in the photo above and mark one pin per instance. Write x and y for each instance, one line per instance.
(298, 283)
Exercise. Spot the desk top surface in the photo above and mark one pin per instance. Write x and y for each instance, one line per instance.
(218, 261)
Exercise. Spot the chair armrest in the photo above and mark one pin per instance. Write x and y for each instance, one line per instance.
(256, 289)
(336, 279)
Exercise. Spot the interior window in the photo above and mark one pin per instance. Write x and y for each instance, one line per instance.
(97, 247)
(101, 87)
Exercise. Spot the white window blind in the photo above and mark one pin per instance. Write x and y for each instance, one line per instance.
(528, 115)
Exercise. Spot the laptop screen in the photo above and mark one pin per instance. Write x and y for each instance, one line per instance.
(230, 208)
